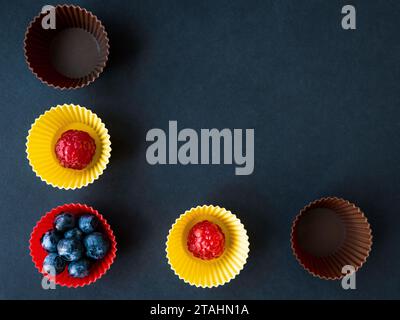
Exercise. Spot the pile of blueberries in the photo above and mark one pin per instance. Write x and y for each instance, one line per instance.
(75, 242)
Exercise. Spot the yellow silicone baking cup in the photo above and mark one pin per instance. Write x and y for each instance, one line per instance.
(43, 136)
(207, 273)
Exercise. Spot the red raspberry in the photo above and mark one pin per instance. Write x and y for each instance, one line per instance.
(206, 240)
(75, 149)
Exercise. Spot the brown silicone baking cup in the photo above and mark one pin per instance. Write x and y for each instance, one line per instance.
(73, 54)
(329, 234)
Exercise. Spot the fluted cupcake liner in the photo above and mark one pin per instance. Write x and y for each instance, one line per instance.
(207, 273)
(38, 254)
(324, 245)
(43, 136)
(39, 46)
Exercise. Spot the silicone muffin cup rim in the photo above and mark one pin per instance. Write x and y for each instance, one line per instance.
(189, 211)
(300, 214)
(96, 74)
(108, 145)
(104, 223)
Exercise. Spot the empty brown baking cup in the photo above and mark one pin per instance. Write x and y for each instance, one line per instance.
(329, 234)
(71, 56)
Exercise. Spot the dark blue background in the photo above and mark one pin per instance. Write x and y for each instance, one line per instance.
(324, 103)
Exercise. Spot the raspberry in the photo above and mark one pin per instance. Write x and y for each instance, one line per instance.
(206, 240)
(75, 149)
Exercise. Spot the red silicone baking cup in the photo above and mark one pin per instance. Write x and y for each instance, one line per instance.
(38, 254)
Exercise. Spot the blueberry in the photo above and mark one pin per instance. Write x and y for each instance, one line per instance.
(53, 263)
(79, 269)
(88, 223)
(74, 233)
(64, 222)
(96, 245)
(49, 240)
(70, 249)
